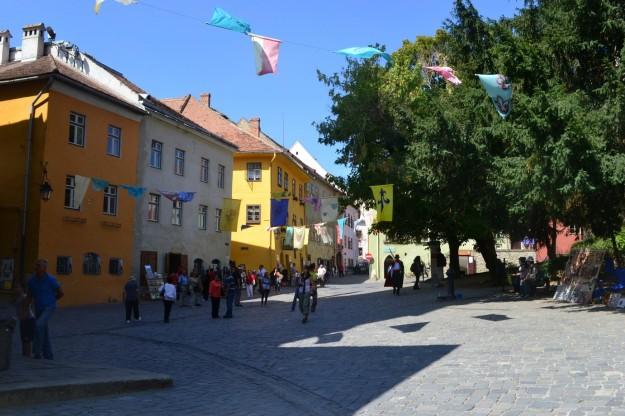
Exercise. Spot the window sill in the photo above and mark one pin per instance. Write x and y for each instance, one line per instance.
(111, 154)
(76, 144)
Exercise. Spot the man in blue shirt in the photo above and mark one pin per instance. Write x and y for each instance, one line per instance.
(43, 290)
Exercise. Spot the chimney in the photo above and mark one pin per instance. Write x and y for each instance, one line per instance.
(206, 99)
(5, 46)
(32, 42)
(254, 126)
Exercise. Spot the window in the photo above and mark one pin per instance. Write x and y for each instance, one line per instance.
(217, 220)
(114, 142)
(202, 216)
(221, 176)
(253, 172)
(154, 202)
(179, 163)
(77, 129)
(91, 264)
(204, 170)
(360, 251)
(286, 181)
(293, 190)
(156, 154)
(116, 266)
(176, 213)
(110, 200)
(301, 193)
(63, 265)
(253, 214)
(70, 193)
(280, 177)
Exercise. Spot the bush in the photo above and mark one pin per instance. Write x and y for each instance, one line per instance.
(552, 268)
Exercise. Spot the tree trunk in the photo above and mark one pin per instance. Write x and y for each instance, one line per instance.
(454, 265)
(552, 239)
(486, 247)
(617, 254)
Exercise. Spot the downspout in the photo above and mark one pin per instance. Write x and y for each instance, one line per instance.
(27, 169)
(271, 233)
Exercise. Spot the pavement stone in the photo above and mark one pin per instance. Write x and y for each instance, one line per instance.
(363, 352)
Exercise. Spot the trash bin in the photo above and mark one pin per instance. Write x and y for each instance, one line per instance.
(7, 327)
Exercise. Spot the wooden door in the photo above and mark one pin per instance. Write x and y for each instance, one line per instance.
(147, 257)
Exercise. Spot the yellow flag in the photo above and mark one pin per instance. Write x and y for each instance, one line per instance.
(229, 214)
(383, 196)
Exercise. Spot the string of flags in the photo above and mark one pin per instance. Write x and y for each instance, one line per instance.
(267, 50)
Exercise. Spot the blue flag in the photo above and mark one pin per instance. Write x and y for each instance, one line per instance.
(364, 52)
(499, 89)
(224, 20)
(134, 191)
(279, 212)
(98, 184)
(341, 224)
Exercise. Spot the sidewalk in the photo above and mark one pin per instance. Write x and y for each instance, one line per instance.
(31, 381)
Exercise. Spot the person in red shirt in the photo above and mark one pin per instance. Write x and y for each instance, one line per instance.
(249, 284)
(215, 294)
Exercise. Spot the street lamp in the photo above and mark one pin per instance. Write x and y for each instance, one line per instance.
(45, 189)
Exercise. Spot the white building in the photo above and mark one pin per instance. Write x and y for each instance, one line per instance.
(176, 155)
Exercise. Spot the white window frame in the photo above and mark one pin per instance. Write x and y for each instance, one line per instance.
(70, 186)
(111, 200)
(116, 266)
(255, 211)
(176, 213)
(218, 220)
(286, 181)
(202, 217)
(179, 156)
(154, 200)
(63, 265)
(204, 170)
(77, 129)
(91, 264)
(114, 136)
(156, 151)
(254, 172)
(221, 176)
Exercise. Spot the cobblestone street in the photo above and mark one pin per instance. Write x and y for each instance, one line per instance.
(363, 352)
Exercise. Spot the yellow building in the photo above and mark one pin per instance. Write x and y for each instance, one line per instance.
(77, 129)
(262, 169)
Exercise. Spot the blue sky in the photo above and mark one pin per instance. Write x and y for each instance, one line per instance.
(171, 55)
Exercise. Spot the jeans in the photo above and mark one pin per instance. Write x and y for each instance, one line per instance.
(229, 303)
(132, 306)
(215, 307)
(41, 342)
(168, 304)
(250, 290)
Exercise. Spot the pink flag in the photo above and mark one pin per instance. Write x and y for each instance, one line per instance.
(266, 54)
(446, 72)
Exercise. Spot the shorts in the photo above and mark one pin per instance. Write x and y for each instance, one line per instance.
(27, 329)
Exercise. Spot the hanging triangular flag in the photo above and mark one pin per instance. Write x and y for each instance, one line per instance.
(383, 196)
(228, 220)
(81, 184)
(98, 4)
(178, 196)
(299, 235)
(341, 227)
(499, 89)
(134, 191)
(364, 52)
(446, 72)
(288, 237)
(329, 209)
(225, 20)
(98, 184)
(266, 51)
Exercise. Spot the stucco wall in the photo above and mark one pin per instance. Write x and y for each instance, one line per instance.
(163, 237)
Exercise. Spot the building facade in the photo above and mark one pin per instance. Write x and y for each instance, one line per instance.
(57, 127)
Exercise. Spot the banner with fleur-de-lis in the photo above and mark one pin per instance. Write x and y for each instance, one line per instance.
(383, 196)
(229, 214)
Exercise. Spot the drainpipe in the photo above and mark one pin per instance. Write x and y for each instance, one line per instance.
(27, 169)
(271, 233)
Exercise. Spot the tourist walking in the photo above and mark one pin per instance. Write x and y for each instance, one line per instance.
(131, 299)
(168, 291)
(296, 281)
(195, 289)
(304, 290)
(183, 292)
(397, 275)
(240, 276)
(314, 283)
(265, 285)
(230, 288)
(321, 274)
(44, 291)
(417, 269)
(249, 284)
(276, 278)
(215, 295)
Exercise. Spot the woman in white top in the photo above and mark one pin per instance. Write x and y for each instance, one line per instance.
(168, 291)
